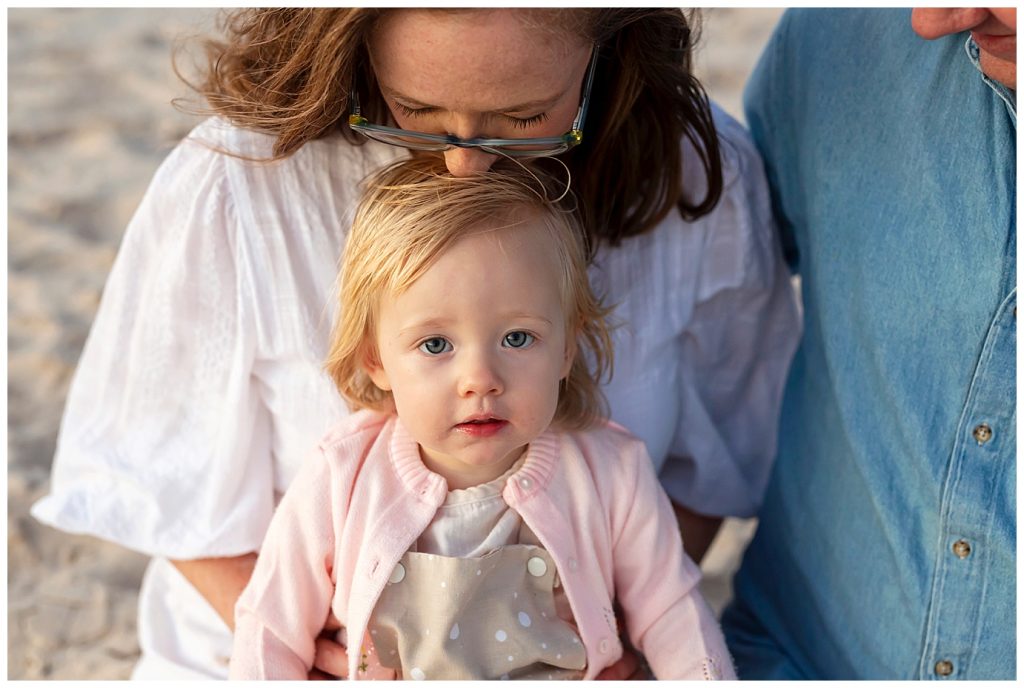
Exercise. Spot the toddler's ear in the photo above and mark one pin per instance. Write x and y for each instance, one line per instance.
(373, 368)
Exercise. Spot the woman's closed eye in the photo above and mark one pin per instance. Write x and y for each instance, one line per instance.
(517, 122)
(414, 112)
(518, 340)
(435, 346)
(526, 122)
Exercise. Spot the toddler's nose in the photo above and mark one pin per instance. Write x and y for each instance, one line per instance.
(479, 378)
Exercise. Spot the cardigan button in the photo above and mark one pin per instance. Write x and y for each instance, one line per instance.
(397, 574)
(537, 567)
(603, 646)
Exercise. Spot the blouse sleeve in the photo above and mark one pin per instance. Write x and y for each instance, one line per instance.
(287, 600)
(164, 445)
(737, 347)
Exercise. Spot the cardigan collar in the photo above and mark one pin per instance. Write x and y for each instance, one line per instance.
(533, 475)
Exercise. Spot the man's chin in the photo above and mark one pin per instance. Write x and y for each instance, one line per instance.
(997, 69)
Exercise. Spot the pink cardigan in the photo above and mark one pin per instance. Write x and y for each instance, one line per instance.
(591, 498)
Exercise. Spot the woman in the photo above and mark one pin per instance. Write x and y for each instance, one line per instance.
(201, 381)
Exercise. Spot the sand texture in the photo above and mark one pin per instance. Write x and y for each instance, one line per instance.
(89, 120)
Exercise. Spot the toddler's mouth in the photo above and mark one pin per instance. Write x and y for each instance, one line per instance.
(481, 427)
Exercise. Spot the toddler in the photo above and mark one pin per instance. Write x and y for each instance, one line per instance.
(477, 516)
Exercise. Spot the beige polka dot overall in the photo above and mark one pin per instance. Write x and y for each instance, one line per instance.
(489, 617)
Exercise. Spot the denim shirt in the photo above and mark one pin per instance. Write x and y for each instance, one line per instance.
(886, 542)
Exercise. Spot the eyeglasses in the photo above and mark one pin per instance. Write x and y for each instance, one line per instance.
(522, 148)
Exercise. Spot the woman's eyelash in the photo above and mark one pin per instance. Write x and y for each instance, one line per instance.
(524, 122)
(413, 112)
(518, 122)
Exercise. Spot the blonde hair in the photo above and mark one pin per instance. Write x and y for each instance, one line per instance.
(410, 213)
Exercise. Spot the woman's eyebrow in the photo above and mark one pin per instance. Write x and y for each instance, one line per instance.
(542, 103)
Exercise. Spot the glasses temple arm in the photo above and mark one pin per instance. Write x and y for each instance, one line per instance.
(585, 100)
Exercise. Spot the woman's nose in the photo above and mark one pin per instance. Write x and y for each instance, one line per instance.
(465, 162)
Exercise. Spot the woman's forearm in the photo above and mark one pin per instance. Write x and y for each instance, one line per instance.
(220, 580)
(698, 531)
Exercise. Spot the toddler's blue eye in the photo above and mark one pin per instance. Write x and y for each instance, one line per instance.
(435, 346)
(518, 340)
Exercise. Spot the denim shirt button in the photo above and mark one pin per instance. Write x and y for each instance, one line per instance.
(962, 548)
(982, 433)
(944, 667)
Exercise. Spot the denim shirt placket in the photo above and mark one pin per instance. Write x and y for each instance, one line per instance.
(983, 453)
(985, 448)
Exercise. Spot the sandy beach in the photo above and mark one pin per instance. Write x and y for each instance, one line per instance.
(89, 120)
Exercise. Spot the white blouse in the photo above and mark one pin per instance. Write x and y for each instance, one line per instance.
(201, 386)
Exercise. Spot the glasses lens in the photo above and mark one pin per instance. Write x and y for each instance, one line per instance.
(529, 150)
(405, 140)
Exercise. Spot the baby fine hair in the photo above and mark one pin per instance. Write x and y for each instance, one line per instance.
(414, 210)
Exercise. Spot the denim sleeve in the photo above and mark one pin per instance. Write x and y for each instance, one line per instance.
(766, 103)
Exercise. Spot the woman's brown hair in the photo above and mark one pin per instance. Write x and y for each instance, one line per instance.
(288, 72)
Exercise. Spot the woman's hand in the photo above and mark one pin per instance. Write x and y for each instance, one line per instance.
(331, 660)
(220, 580)
(628, 668)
